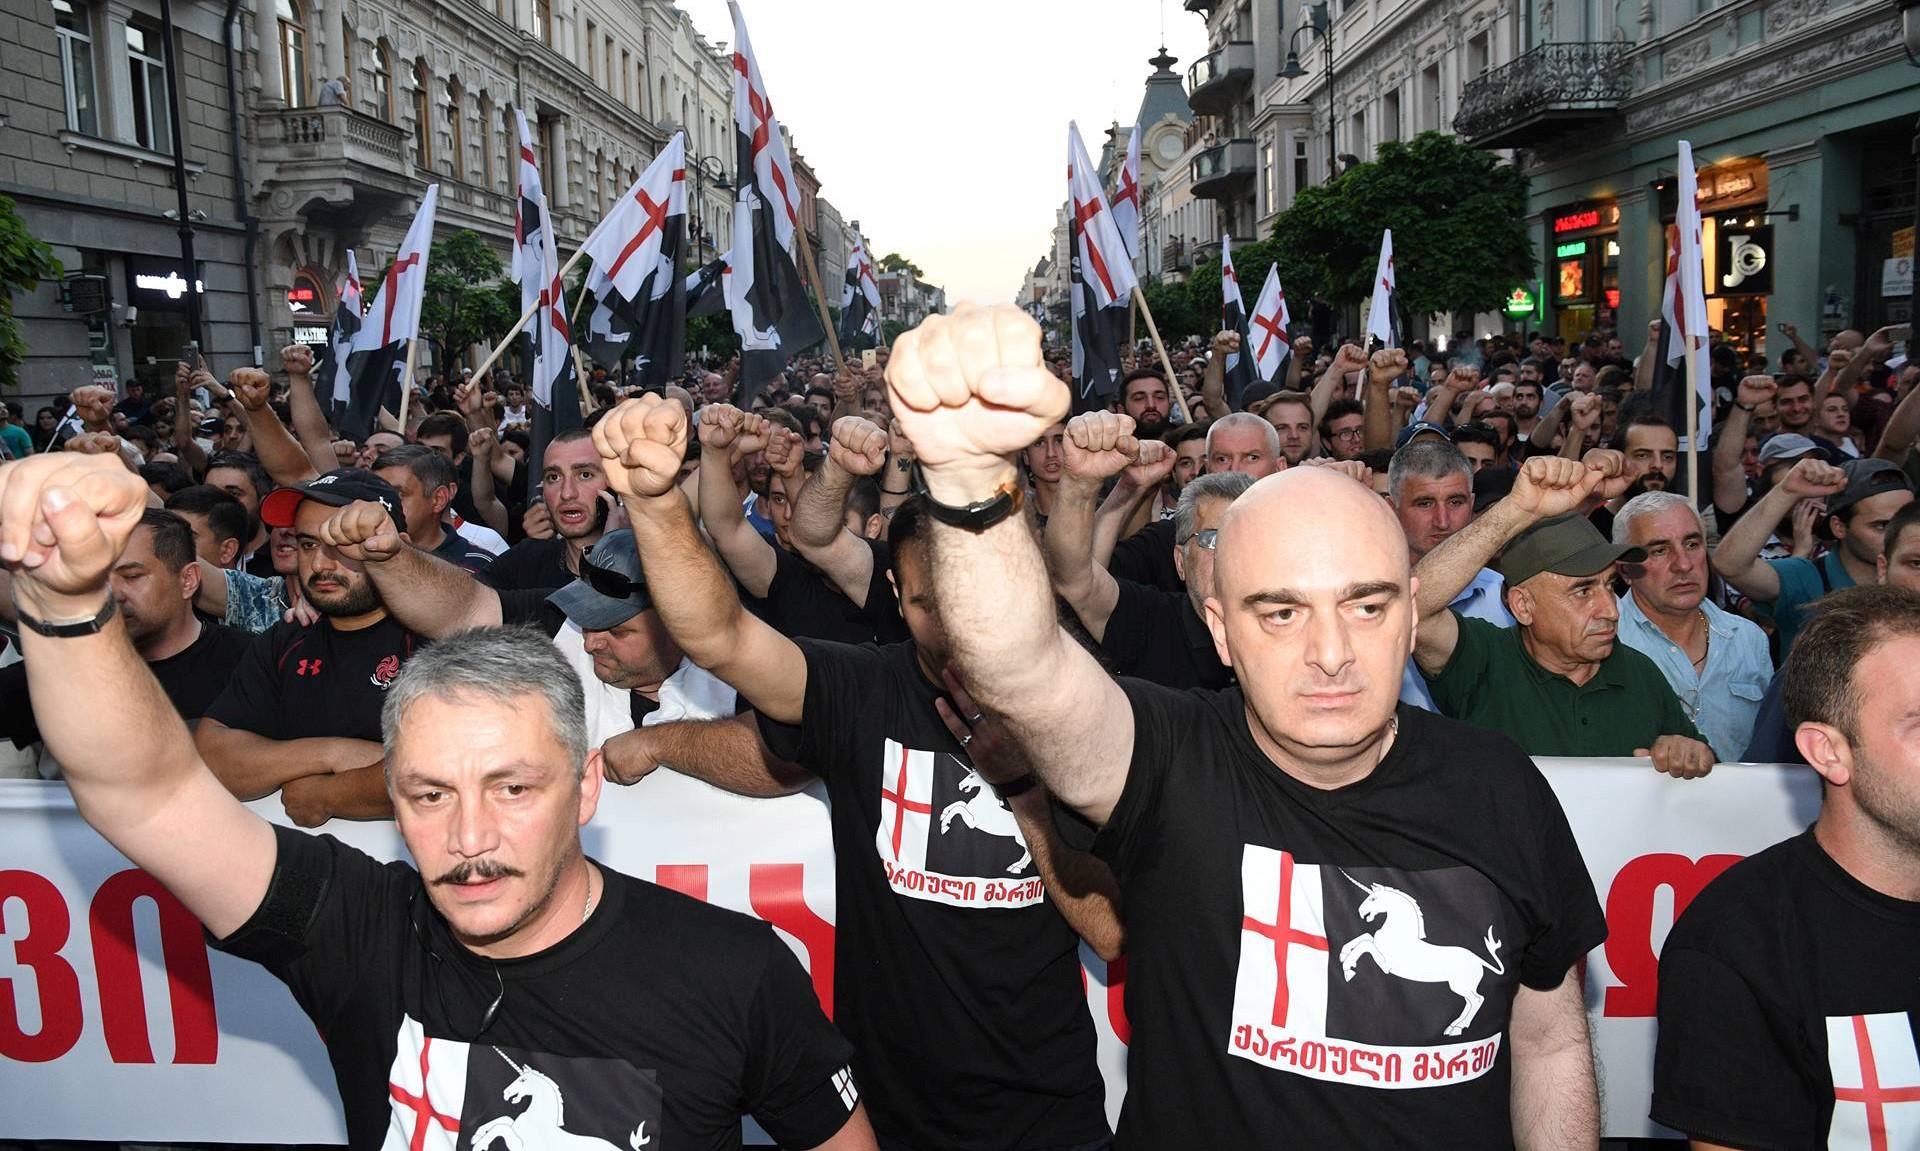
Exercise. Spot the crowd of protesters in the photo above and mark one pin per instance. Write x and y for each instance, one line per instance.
(1326, 624)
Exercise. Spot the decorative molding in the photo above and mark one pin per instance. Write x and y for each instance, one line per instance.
(1786, 15)
(1688, 57)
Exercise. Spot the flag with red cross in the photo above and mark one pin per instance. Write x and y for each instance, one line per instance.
(1233, 318)
(377, 357)
(1126, 195)
(639, 297)
(1875, 1066)
(1380, 311)
(1268, 328)
(762, 162)
(1100, 281)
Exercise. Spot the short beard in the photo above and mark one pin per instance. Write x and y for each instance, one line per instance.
(355, 599)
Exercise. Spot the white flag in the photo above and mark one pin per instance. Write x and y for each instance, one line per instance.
(1688, 312)
(761, 148)
(1268, 328)
(346, 322)
(1107, 266)
(536, 268)
(395, 315)
(628, 244)
(1380, 314)
(1126, 196)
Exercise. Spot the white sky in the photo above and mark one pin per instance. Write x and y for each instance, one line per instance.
(942, 127)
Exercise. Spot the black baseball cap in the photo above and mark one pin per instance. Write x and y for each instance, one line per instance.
(336, 489)
(1567, 545)
(1867, 478)
(611, 589)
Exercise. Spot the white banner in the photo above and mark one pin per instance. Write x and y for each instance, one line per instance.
(117, 1023)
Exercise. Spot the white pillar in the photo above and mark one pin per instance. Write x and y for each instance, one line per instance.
(116, 79)
(266, 44)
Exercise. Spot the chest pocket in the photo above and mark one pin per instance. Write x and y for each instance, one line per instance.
(1749, 689)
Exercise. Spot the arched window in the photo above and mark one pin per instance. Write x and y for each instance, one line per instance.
(422, 117)
(689, 126)
(543, 20)
(383, 81)
(456, 130)
(293, 51)
(488, 165)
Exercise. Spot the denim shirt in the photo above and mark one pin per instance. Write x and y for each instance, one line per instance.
(1723, 699)
(1482, 599)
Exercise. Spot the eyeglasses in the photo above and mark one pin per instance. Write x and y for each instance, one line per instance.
(1205, 537)
(1350, 434)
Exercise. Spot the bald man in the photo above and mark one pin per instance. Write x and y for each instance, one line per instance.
(1349, 923)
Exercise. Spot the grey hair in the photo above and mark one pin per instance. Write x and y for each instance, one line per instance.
(1649, 504)
(497, 664)
(1244, 420)
(1212, 486)
(1428, 459)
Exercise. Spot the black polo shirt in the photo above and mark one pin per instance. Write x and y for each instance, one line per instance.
(1146, 557)
(1156, 635)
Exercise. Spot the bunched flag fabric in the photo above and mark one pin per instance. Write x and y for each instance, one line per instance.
(1126, 195)
(1233, 318)
(1270, 347)
(1683, 313)
(1380, 313)
(639, 297)
(1100, 279)
(346, 322)
(378, 355)
(536, 268)
(859, 296)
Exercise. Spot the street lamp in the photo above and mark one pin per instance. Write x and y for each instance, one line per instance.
(718, 174)
(1318, 24)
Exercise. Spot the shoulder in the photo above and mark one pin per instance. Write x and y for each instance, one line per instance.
(226, 643)
(1484, 752)
(1728, 908)
(1795, 573)
(700, 930)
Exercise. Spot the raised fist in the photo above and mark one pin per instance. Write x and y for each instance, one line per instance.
(719, 427)
(756, 432)
(363, 530)
(250, 386)
(1303, 345)
(467, 399)
(1585, 413)
(1463, 379)
(297, 360)
(1226, 343)
(785, 451)
(1548, 486)
(1756, 390)
(642, 442)
(969, 389)
(1151, 465)
(93, 444)
(1099, 444)
(858, 446)
(64, 520)
(92, 403)
(1606, 472)
(481, 444)
(1349, 358)
(1814, 477)
(1838, 359)
(1387, 365)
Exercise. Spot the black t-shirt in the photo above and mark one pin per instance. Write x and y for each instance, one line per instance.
(260, 563)
(306, 682)
(957, 982)
(1788, 998)
(656, 1024)
(801, 603)
(192, 678)
(1156, 636)
(530, 564)
(457, 550)
(1146, 557)
(1264, 917)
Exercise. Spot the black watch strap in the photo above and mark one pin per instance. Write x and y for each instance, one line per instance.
(974, 517)
(66, 629)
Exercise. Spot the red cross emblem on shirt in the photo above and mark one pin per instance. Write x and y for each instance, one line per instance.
(421, 1105)
(762, 110)
(656, 214)
(1871, 1093)
(901, 804)
(1082, 214)
(391, 292)
(1285, 936)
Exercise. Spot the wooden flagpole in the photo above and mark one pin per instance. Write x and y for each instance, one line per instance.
(1133, 313)
(581, 388)
(1173, 381)
(406, 387)
(819, 295)
(526, 317)
(1693, 418)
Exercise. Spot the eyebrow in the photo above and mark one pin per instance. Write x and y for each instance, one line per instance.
(494, 775)
(1353, 591)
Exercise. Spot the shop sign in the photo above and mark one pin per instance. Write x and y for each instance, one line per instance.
(1520, 303)
(1576, 221)
(315, 334)
(1568, 251)
(1896, 276)
(154, 283)
(1743, 261)
(84, 294)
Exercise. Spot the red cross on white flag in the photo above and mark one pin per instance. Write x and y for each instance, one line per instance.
(1108, 268)
(1283, 941)
(1268, 328)
(396, 307)
(536, 268)
(759, 131)
(1876, 1082)
(1126, 195)
(1380, 313)
(628, 244)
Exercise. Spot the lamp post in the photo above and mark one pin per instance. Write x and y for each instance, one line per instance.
(1319, 24)
(185, 215)
(701, 173)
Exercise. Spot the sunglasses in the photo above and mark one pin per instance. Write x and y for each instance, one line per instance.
(611, 584)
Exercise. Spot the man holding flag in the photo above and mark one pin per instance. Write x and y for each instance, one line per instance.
(536, 268)
(381, 352)
(1102, 281)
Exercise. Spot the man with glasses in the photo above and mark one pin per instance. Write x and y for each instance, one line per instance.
(1343, 429)
(1142, 631)
(1716, 662)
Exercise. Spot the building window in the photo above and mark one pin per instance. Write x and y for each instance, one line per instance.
(293, 52)
(1430, 110)
(626, 77)
(1302, 166)
(75, 29)
(422, 117)
(488, 166)
(383, 81)
(543, 20)
(1390, 116)
(1357, 135)
(606, 61)
(593, 36)
(456, 130)
(147, 72)
(1478, 54)
(1269, 175)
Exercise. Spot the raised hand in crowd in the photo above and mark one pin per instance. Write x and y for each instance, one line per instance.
(364, 532)
(251, 387)
(1099, 445)
(297, 360)
(858, 446)
(1738, 560)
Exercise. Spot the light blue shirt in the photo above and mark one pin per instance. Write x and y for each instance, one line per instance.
(1722, 700)
(1482, 599)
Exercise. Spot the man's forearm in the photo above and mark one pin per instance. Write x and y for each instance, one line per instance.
(1086, 586)
(1555, 1103)
(1903, 426)
(1377, 415)
(1729, 478)
(279, 453)
(359, 793)
(1082, 887)
(726, 753)
(1449, 568)
(431, 596)
(1213, 384)
(1111, 521)
(693, 595)
(1737, 559)
(310, 423)
(1548, 425)
(819, 515)
(251, 766)
(1643, 368)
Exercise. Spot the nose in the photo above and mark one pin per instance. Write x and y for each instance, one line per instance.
(471, 832)
(1328, 646)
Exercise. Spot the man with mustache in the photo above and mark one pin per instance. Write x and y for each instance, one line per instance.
(1557, 683)
(301, 714)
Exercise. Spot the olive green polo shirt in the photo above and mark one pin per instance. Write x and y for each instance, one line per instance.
(1491, 681)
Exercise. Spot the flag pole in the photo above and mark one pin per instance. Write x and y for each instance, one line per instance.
(519, 325)
(1173, 381)
(1693, 422)
(1133, 314)
(584, 388)
(819, 295)
(406, 391)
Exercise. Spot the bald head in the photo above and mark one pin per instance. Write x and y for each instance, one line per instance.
(676, 392)
(1304, 512)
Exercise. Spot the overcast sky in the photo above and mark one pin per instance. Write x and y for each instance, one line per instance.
(942, 127)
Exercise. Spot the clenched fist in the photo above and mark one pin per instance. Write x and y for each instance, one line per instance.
(1151, 465)
(786, 453)
(363, 530)
(297, 360)
(1756, 390)
(719, 427)
(64, 520)
(1548, 486)
(858, 446)
(969, 389)
(1813, 477)
(1387, 365)
(1099, 444)
(1226, 343)
(641, 443)
(1585, 413)
(250, 386)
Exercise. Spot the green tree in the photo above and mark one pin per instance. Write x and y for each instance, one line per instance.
(24, 262)
(895, 262)
(1458, 216)
(465, 302)
(714, 333)
(1174, 313)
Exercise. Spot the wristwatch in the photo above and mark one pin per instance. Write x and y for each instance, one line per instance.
(977, 516)
(68, 628)
(1744, 407)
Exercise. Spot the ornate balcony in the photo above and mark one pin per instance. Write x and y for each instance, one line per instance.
(333, 155)
(1554, 89)
(1223, 170)
(1199, 5)
(1218, 78)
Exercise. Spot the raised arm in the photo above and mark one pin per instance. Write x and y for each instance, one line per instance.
(726, 434)
(1213, 381)
(1903, 427)
(1584, 428)
(1302, 347)
(1737, 559)
(183, 444)
(1644, 367)
(64, 521)
(1840, 363)
(1729, 477)
(1383, 367)
(427, 594)
(1545, 486)
(309, 422)
(726, 753)
(858, 447)
(484, 447)
(1097, 445)
(641, 444)
(1348, 359)
(970, 389)
(283, 457)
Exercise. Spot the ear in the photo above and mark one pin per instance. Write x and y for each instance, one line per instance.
(443, 496)
(1180, 561)
(1520, 603)
(190, 582)
(1827, 750)
(592, 777)
(876, 526)
(1217, 625)
(229, 551)
(1880, 569)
